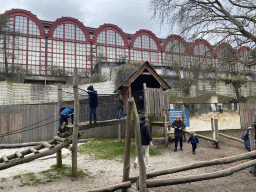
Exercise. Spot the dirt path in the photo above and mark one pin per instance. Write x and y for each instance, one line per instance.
(106, 172)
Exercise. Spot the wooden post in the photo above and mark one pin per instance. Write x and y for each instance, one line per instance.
(142, 169)
(58, 154)
(119, 132)
(128, 140)
(212, 126)
(216, 132)
(252, 145)
(145, 99)
(165, 131)
(130, 91)
(184, 121)
(76, 123)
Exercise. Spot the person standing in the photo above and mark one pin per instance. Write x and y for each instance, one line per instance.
(93, 103)
(246, 138)
(119, 104)
(194, 140)
(140, 104)
(65, 113)
(146, 140)
(178, 126)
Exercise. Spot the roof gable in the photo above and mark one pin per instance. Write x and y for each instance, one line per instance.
(145, 69)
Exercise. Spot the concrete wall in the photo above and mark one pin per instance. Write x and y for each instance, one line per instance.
(19, 93)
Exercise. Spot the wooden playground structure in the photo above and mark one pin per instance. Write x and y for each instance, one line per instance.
(156, 111)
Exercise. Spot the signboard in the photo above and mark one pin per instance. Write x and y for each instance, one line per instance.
(178, 112)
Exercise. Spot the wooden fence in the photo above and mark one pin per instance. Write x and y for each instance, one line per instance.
(37, 122)
(247, 117)
(157, 101)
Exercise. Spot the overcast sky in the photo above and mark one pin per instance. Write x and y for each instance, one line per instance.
(129, 15)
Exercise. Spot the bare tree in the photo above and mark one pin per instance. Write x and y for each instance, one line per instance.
(218, 21)
(6, 37)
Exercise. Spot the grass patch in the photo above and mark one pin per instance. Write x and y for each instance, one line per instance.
(3, 179)
(206, 134)
(48, 176)
(16, 177)
(107, 148)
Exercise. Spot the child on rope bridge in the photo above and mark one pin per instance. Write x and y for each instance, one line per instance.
(65, 113)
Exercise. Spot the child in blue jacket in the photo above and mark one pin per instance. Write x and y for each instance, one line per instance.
(65, 113)
(194, 140)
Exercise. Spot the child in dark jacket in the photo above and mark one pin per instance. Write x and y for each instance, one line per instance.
(194, 140)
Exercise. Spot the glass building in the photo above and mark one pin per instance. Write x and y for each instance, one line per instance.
(66, 43)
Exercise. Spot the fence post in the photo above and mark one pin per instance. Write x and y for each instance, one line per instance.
(165, 131)
(128, 140)
(216, 132)
(252, 145)
(76, 122)
(58, 153)
(183, 119)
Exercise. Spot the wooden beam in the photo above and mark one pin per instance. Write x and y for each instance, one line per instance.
(27, 151)
(33, 150)
(204, 137)
(59, 105)
(19, 145)
(86, 125)
(45, 144)
(76, 123)
(220, 161)
(233, 138)
(19, 155)
(142, 169)
(60, 139)
(115, 187)
(128, 141)
(252, 145)
(200, 177)
(5, 159)
(32, 157)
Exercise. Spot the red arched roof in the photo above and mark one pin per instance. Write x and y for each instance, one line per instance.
(206, 43)
(180, 39)
(28, 14)
(244, 48)
(68, 20)
(148, 33)
(221, 46)
(109, 27)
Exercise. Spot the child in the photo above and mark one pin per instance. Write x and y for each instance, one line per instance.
(65, 113)
(194, 140)
(246, 138)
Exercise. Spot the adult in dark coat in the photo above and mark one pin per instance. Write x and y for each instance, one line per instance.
(146, 140)
(93, 103)
(178, 126)
(246, 138)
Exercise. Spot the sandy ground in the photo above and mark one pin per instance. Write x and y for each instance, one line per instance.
(203, 122)
(108, 172)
